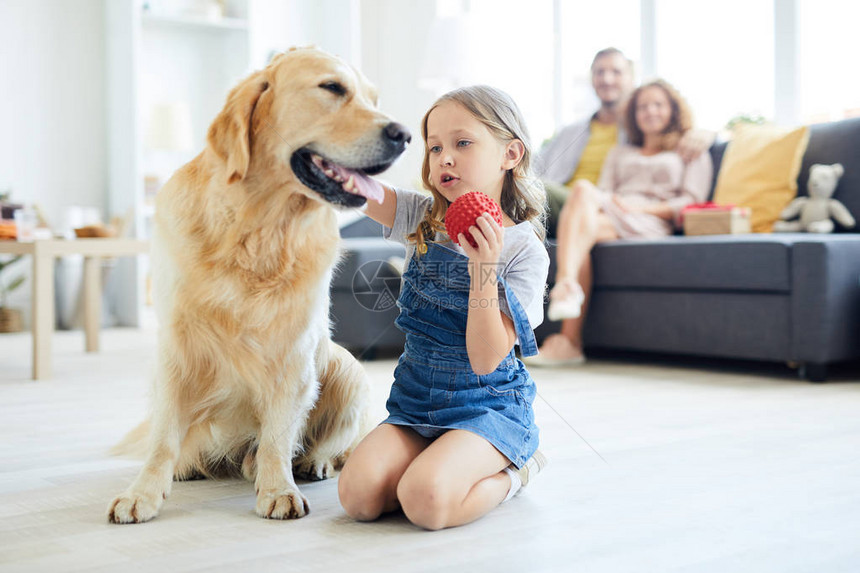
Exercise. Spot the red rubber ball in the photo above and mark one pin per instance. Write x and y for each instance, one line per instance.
(464, 212)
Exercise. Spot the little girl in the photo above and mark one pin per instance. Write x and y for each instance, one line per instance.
(460, 437)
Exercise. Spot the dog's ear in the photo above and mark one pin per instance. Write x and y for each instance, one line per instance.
(230, 133)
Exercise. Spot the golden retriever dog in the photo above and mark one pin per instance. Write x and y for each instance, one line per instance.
(247, 379)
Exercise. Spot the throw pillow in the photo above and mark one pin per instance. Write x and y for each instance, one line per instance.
(760, 171)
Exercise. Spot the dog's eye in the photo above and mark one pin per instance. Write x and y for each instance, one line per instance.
(334, 87)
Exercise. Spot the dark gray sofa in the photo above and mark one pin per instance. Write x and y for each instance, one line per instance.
(784, 297)
(364, 291)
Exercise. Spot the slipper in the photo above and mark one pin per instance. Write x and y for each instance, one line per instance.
(568, 305)
(539, 361)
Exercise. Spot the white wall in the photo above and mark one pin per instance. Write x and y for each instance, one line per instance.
(52, 99)
(394, 37)
(52, 61)
(385, 39)
(52, 117)
(328, 24)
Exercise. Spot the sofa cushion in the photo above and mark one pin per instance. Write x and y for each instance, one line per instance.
(760, 170)
(751, 325)
(709, 263)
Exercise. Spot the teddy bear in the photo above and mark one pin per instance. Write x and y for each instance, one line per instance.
(816, 210)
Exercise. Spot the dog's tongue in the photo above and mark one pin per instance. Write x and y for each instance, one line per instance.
(366, 186)
(361, 184)
(351, 181)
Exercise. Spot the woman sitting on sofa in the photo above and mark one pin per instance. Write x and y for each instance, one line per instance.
(643, 186)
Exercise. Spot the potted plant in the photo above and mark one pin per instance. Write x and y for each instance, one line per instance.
(10, 318)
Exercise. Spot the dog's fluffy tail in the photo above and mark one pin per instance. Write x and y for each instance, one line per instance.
(134, 444)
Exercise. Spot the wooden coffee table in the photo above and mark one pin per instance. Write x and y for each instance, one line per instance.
(44, 252)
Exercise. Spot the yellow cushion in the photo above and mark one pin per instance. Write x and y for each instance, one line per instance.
(759, 171)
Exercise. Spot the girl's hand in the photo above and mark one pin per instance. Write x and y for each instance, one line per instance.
(489, 237)
(383, 213)
(490, 335)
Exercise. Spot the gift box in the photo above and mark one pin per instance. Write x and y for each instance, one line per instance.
(713, 219)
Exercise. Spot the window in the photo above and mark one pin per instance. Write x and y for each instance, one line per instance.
(829, 83)
(719, 55)
(513, 51)
(585, 29)
(500, 43)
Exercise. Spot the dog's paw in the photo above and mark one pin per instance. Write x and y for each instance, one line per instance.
(314, 470)
(134, 508)
(249, 466)
(282, 504)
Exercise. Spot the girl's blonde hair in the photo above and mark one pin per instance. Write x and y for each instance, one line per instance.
(523, 196)
(680, 121)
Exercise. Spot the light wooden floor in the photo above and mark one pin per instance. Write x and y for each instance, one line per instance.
(712, 471)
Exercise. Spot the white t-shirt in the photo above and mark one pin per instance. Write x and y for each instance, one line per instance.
(524, 262)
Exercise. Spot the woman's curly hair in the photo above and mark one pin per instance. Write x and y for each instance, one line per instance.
(680, 121)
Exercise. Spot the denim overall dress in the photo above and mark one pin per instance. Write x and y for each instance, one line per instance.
(434, 388)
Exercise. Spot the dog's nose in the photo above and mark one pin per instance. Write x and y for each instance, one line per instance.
(397, 133)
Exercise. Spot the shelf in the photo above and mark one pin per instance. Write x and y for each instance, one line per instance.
(195, 22)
